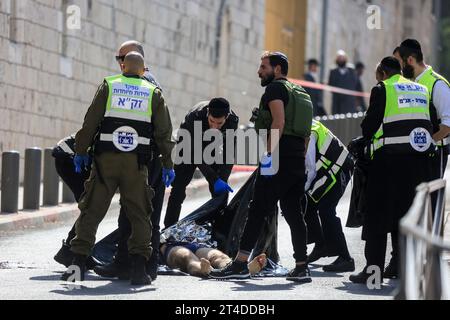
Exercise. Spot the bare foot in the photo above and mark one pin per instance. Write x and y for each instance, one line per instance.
(257, 264)
(205, 267)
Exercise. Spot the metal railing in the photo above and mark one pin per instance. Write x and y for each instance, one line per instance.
(424, 271)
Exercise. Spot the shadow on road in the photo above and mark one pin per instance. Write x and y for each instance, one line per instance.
(387, 289)
(108, 289)
(252, 286)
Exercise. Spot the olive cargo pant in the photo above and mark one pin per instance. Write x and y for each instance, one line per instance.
(109, 172)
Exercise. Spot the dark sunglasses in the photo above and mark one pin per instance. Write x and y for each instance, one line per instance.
(120, 58)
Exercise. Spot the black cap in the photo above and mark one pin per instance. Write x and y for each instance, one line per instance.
(219, 107)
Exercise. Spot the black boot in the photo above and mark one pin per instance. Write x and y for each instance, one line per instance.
(78, 262)
(152, 267)
(64, 255)
(116, 269)
(138, 275)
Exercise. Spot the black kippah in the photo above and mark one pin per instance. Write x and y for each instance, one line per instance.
(219, 107)
(390, 63)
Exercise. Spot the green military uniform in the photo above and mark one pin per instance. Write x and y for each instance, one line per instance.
(127, 113)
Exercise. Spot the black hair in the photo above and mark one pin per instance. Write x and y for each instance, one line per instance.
(390, 66)
(278, 59)
(396, 50)
(360, 65)
(411, 48)
(219, 107)
(313, 61)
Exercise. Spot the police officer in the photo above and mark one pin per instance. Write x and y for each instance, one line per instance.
(329, 168)
(215, 114)
(399, 125)
(414, 68)
(127, 111)
(285, 109)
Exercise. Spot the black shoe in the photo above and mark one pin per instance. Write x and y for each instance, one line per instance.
(79, 262)
(64, 255)
(234, 270)
(391, 271)
(138, 275)
(115, 269)
(361, 277)
(340, 265)
(152, 267)
(92, 262)
(317, 253)
(300, 274)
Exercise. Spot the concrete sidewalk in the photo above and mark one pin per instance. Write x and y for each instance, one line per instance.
(29, 219)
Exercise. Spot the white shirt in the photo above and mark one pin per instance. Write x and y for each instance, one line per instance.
(310, 161)
(441, 99)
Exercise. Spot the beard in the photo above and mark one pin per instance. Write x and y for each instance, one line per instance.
(341, 64)
(267, 80)
(408, 72)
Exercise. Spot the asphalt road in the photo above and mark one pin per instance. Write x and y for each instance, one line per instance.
(27, 271)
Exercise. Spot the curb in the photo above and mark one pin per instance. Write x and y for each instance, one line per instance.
(46, 216)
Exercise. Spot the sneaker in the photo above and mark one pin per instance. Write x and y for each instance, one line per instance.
(234, 270)
(340, 265)
(300, 274)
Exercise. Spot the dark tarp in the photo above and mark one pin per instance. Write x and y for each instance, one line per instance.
(227, 222)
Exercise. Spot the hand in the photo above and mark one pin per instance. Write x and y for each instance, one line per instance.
(266, 166)
(168, 175)
(81, 161)
(221, 187)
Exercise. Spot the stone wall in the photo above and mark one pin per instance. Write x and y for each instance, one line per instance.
(49, 73)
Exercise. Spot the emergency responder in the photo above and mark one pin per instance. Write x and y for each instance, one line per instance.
(127, 111)
(215, 114)
(329, 168)
(399, 125)
(414, 68)
(286, 110)
(64, 153)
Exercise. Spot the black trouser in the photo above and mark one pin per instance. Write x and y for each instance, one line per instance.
(75, 181)
(183, 176)
(327, 231)
(285, 186)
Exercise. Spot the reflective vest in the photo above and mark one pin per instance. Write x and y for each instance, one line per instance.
(127, 124)
(331, 155)
(298, 112)
(406, 127)
(429, 80)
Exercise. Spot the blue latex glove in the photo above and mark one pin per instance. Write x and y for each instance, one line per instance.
(81, 162)
(221, 187)
(266, 166)
(168, 175)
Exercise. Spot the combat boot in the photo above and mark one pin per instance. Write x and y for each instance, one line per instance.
(138, 275)
(78, 264)
(116, 269)
(64, 256)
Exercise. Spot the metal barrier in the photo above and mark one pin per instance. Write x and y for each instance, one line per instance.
(344, 126)
(424, 272)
